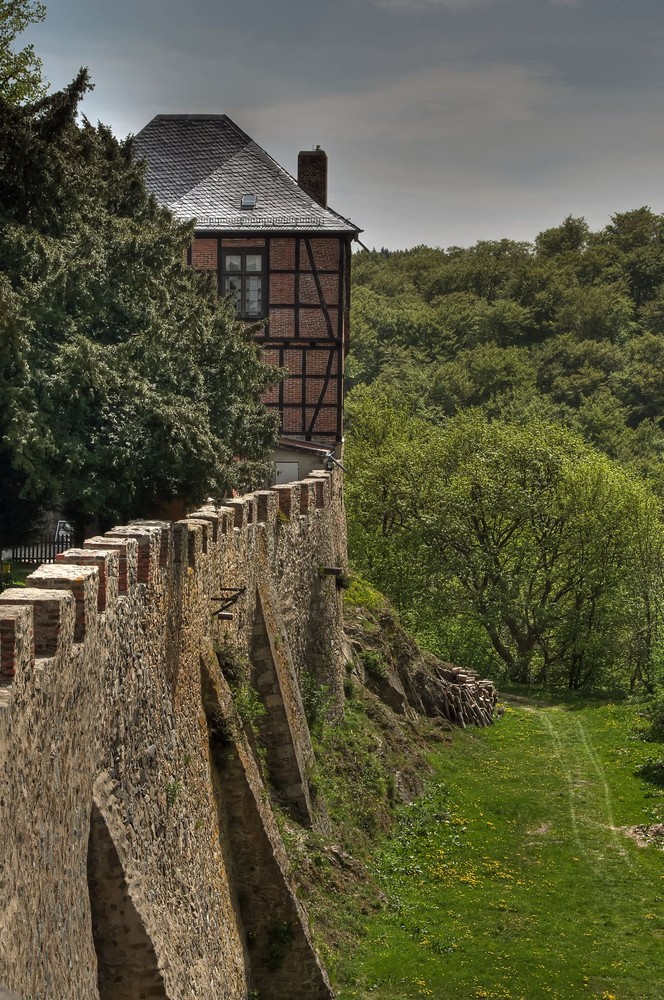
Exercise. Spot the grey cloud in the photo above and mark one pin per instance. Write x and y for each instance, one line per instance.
(460, 5)
(424, 4)
(443, 102)
(445, 120)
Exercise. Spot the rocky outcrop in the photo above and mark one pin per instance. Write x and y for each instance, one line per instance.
(408, 679)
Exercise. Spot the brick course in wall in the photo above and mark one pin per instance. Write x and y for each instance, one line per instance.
(204, 254)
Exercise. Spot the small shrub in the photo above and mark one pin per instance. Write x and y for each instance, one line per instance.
(172, 789)
(280, 936)
(233, 663)
(652, 770)
(220, 727)
(313, 777)
(653, 713)
(315, 699)
(373, 663)
(362, 594)
(248, 705)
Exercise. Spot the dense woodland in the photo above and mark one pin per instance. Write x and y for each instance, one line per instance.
(506, 448)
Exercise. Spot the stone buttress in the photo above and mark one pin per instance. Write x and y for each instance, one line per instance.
(140, 854)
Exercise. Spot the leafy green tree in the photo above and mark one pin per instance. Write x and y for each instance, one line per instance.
(651, 314)
(571, 237)
(20, 72)
(460, 317)
(18, 512)
(531, 350)
(126, 381)
(479, 377)
(645, 652)
(601, 418)
(382, 324)
(570, 370)
(483, 270)
(596, 312)
(644, 387)
(521, 531)
(562, 311)
(635, 241)
(385, 433)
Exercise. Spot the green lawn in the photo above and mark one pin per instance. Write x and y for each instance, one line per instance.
(513, 877)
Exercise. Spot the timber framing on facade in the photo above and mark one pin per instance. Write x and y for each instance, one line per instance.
(273, 244)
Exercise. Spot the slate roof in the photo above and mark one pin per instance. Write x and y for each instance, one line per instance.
(199, 166)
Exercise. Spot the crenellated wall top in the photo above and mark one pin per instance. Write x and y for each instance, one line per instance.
(63, 601)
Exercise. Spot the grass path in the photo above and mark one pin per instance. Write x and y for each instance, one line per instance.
(513, 878)
(591, 809)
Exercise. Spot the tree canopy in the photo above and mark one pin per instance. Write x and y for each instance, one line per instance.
(506, 448)
(124, 380)
(20, 71)
(517, 545)
(571, 326)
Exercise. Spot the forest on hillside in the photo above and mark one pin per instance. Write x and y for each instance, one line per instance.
(506, 448)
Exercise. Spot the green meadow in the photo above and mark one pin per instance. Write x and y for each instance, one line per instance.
(518, 874)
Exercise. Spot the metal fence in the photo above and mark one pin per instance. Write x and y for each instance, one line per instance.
(43, 550)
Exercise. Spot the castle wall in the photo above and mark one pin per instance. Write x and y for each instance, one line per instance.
(136, 832)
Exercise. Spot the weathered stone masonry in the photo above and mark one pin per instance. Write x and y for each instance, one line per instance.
(140, 854)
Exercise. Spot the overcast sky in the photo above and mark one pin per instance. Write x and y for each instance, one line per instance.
(445, 121)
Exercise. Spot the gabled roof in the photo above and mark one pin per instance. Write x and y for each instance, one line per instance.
(199, 166)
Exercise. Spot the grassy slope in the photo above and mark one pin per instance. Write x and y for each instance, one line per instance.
(509, 878)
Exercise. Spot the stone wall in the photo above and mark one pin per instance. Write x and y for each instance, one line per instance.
(140, 854)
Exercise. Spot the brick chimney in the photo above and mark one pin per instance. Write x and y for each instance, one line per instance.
(312, 174)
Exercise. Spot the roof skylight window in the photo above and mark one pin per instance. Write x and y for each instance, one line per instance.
(248, 201)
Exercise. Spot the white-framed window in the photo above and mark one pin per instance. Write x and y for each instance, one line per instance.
(243, 278)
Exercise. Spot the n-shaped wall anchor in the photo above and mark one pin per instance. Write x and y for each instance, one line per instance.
(228, 597)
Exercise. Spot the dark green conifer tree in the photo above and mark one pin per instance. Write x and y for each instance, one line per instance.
(124, 380)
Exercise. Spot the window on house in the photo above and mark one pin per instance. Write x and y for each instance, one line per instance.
(243, 278)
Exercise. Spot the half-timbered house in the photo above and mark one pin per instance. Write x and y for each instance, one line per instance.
(273, 244)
